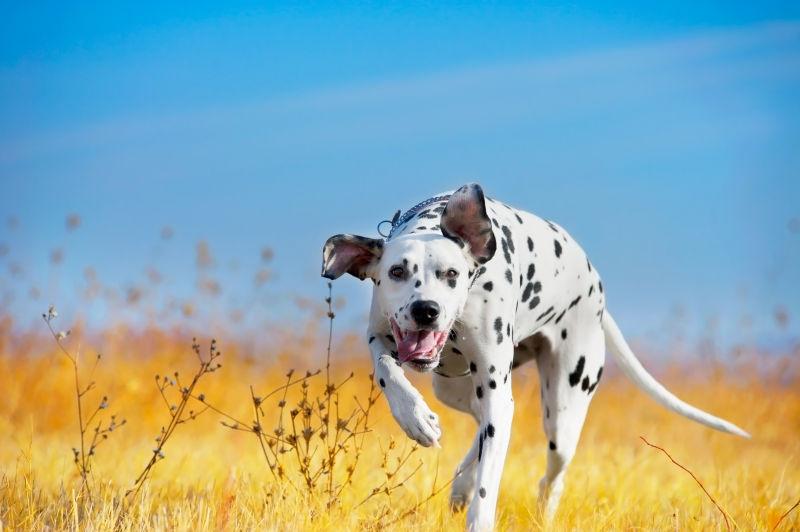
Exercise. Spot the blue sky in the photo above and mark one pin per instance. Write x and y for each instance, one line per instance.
(664, 138)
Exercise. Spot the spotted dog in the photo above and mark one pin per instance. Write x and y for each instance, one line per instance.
(469, 288)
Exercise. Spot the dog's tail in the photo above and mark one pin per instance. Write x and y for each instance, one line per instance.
(631, 366)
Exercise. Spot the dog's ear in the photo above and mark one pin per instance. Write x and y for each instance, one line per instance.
(465, 220)
(350, 254)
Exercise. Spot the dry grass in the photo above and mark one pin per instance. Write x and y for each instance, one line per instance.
(216, 478)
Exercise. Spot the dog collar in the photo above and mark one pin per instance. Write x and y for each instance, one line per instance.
(398, 220)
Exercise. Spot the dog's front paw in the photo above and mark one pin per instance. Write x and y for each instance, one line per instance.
(463, 488)
(417, 420)
(459, 501)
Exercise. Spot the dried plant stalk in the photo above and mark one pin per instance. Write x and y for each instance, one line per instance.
(177, 412)
(724, 514)
(785, 515)
(314, 446)
(83, 456)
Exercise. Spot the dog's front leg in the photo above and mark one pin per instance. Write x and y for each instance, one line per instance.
(492, 379)
(406, 403)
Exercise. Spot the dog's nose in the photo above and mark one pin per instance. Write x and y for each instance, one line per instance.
(425, 312)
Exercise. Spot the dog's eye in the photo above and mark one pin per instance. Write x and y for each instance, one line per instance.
(452, 274)
(397, 272)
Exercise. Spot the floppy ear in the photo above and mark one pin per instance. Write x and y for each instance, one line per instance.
(464, 219)
(350, 254)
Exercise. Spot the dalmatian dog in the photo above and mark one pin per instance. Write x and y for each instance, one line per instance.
(468, 288)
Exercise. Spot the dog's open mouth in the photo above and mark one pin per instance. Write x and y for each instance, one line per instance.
(420, 347)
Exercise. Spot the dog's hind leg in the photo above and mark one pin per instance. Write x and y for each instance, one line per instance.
(458, 393)
(568, 375)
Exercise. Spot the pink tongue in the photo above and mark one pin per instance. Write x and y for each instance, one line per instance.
(416, 343)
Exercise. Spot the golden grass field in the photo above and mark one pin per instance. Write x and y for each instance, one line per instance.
(215, 478)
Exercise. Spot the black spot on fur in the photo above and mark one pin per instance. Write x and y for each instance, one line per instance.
(480, 447)
(479, 392)
(482, 492)
(527, 292)
(545, 313)
(491, 369)
(382, 383)
(600, 286)
(506, 253)
(507, 233)
(531, 270)
(585, 383)
(498, 327)
(490, 430)
(558, 319)
(563, 334)
(593, 386)
(534, 302)
(575, 376)
(472, 367)
(488, 285)
(492, 384)
(418, 283)
(591, 289)
(530, 244)
(537, 287)
(589, 264)
(558, 248)
(518, 218)
(508, 277)
(575, 301)
(552, 446)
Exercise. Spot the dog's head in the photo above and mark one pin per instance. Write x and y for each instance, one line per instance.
(421, 280)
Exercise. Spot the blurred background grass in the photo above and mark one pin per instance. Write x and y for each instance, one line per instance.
(214, 478)
(169, 173)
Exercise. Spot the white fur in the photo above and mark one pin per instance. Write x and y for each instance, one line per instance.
(552, 311)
